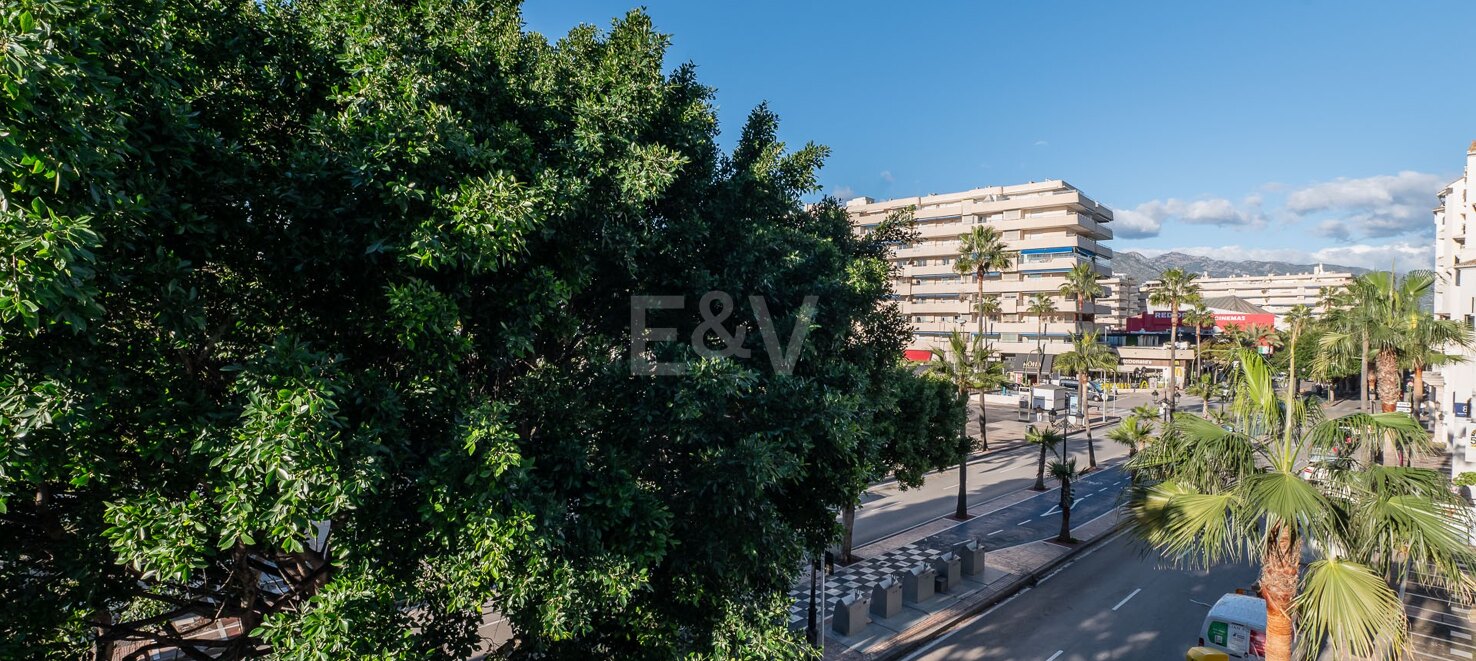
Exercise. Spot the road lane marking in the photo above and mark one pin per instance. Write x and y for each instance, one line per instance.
(1459, 634)
(995, 532)
(1023, 522)
(1125, 599)
(1058, 653)
(961, 626)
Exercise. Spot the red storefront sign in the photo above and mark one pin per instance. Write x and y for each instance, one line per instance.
(918, 355)
(1161, 322)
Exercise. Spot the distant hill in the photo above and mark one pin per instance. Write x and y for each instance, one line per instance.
(1129, 263)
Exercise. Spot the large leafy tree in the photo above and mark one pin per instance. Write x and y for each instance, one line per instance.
(1214, 494)
(315, 324)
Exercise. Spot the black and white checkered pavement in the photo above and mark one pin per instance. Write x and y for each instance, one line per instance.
(859, 577)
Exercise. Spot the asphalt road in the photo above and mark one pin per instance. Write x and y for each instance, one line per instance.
(1114, 602)
(887, 509)
(1439, 627)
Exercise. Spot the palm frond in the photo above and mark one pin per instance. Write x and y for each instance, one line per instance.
(1350, 606)
(1191, 526)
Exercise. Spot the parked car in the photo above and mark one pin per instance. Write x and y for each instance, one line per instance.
(1236, 625)
(1094, 391)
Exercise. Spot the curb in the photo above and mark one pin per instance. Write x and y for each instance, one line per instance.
(1029, 580)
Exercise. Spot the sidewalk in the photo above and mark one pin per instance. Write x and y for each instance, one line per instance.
(1012, 528)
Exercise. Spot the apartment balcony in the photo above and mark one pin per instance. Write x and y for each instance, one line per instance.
(1060, 240)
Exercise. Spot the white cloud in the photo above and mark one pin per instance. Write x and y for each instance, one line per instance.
(1133, 224)
(1042, 143)
(1403, 256)
(1381, 206)
(1147, 219)
(886, 175)
(843, 193)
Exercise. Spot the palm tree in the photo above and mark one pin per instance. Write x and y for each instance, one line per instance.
(1081, 284)
(1134, 432)
(1297, 320)
(1203, 387)
(1064, 471)
(1429, 337)
(1047, 439)
(1384, 320)
(988, 308)
(967, 366)
(1175, 288)
(1211, 495)
(980, 251)
(1040, 306)
(1198, 316)
(1086, 355)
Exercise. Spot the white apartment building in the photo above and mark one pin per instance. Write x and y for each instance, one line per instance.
(1050, 226)
(1276, 294)
(1120, 301)
(1455, 298)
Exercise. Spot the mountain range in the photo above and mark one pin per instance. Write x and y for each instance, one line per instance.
(1143, 268)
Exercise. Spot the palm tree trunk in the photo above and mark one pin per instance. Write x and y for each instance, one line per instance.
(1040, 344)
(1419, 386)
(1173, 355)
(979, 299)
(1065, 535)
(983, 431)
(1279, 572)
(1198, 362)
(1387, 364)
(1363, 404)
(848, 520)
(961, 511)
(1086, 419)
(1040, 470)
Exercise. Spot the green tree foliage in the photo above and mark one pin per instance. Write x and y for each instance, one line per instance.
(315, 316)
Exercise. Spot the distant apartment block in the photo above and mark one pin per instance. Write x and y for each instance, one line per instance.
(1276, 294)
(1455, 298)
(1120, 301)
(1051, 226)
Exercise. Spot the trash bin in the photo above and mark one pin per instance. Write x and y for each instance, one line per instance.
(848, 614)
(917, 583)
(949, 570)
(886, 597)
(972, 555)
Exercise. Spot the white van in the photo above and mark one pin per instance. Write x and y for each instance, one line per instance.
(1094, 391)
(1236, 625)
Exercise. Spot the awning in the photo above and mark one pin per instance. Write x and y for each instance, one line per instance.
(1029, 363)
(918, 355)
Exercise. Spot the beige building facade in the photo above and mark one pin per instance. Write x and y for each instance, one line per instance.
(1121, 300)
(1049, 227)
(1276, 294)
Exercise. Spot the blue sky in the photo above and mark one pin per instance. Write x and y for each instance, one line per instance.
(1298, 130)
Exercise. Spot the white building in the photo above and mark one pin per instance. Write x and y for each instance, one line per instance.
(1455, 298)
(1049, 226)
(1121, 300)
(1277, 294)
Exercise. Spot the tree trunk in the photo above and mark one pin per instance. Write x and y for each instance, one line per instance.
(1419, 387)
(848, 520)
(1040, 470)
(1065, 536)
(983, 432)
(1040, 344)
(102, 622)
(979, 299)
(1172, 395)
(1387, 364)
(1086, 419)
(1363, 376)
(961, 511)
(1279, 571)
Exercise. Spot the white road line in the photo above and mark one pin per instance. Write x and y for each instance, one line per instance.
(1125, 599)
(1023, 522)
(960, 627)
(995, 532)
(1459, 634)
(1058, 653)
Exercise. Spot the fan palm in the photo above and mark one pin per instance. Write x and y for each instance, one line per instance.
(968, 366)
(1428, 339)
(1064, 471)
(980, 251)
(1199, 317)
(1296, 320)
(1134, 432)
(988, 308)
(1082, 284)
(1382, 321)
(1086, 355)
(1175, 288)
(1213, 494)
(1047, 439)
(1040, 306)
